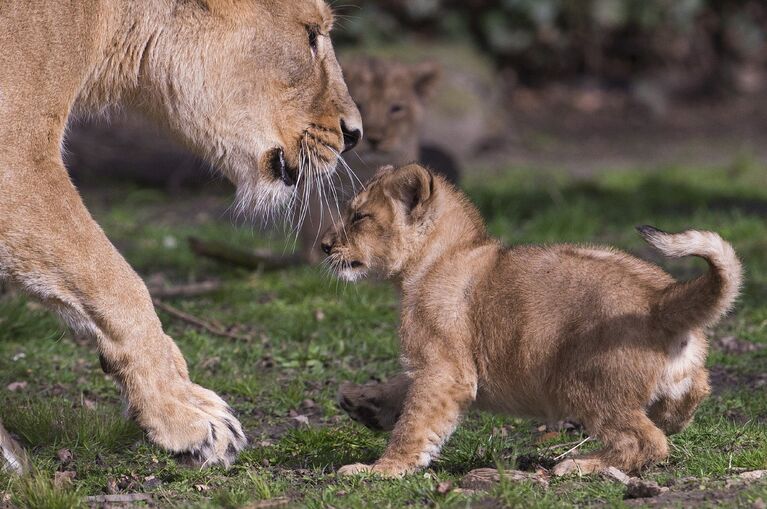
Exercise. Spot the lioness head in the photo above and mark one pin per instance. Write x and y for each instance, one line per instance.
(255, 86)
(386, 223)
(391, 96)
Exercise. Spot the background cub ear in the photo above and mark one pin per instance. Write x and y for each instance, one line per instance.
(413, 186)
(425, 78)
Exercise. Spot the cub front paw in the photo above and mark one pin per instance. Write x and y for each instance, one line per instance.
(354, 469)
(197, 423)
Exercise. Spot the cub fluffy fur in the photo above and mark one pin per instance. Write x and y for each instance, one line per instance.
(551, 332)
(252, 85)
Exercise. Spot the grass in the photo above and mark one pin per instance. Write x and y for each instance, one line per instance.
(310, 333)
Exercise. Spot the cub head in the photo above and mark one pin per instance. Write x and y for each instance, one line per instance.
(391, 96)
(254, 86)
(385, 224)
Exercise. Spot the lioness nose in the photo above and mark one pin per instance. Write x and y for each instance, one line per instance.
(352, 136)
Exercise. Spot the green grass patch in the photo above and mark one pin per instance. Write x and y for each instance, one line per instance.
(308, 333)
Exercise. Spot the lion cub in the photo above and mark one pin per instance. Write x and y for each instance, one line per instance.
(550, 332)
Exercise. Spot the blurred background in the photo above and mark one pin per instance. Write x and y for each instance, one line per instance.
(564, 120)
(581, 86)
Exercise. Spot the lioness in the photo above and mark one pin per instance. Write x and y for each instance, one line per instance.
(253, 85)
(552, 332)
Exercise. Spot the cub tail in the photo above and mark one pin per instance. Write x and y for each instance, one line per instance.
(702, 301)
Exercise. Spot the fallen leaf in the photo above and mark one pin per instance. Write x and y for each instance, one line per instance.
(89, 404)
(62, 479)
(64, 456)
(111, 487)
(17, 386)
(18, 356)
(151, 482)
(444, 487)
(549, 435)
(759, 504)
(319, 315)
(301, 419)
(202, 488)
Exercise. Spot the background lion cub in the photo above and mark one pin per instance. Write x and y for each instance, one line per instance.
(552, 332)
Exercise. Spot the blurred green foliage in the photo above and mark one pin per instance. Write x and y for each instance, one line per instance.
(545, 39)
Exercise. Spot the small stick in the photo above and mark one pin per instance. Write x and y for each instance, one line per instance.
(120, 498)
(188, 290)
(197, 322)
(573, 449)
(258, 259)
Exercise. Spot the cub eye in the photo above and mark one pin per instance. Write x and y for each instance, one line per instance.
(359, 216)
(313, 34)
(396, 108)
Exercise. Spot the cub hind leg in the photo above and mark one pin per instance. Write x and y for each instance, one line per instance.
(377, 405)
(673, 414)
(630, 441)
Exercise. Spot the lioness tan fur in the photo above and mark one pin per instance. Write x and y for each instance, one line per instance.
(253, 85)
(551, 332)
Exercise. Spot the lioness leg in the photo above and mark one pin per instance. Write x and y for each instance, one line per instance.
(433, 406)
(12, 456)
(375, 405)
(51, 247)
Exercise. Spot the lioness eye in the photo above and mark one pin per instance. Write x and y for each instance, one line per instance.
(313, 33)
(396, 108)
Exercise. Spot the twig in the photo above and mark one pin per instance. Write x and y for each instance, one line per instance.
(198, 322)
(573, 449)
(120, 498)
(188, 290)
(258, 259)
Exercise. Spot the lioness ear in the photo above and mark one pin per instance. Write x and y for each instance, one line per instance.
(425, 78)
(413, 186)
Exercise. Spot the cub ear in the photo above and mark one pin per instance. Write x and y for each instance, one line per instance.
(383, 170)
(413, 186)
(425, 78)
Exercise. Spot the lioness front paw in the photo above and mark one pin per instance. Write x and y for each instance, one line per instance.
(199, 424)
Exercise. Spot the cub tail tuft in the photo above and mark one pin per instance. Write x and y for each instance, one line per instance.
(702, 301)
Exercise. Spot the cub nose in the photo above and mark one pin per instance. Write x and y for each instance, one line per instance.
(352, 136)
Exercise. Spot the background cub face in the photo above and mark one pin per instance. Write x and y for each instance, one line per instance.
(390, 96)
